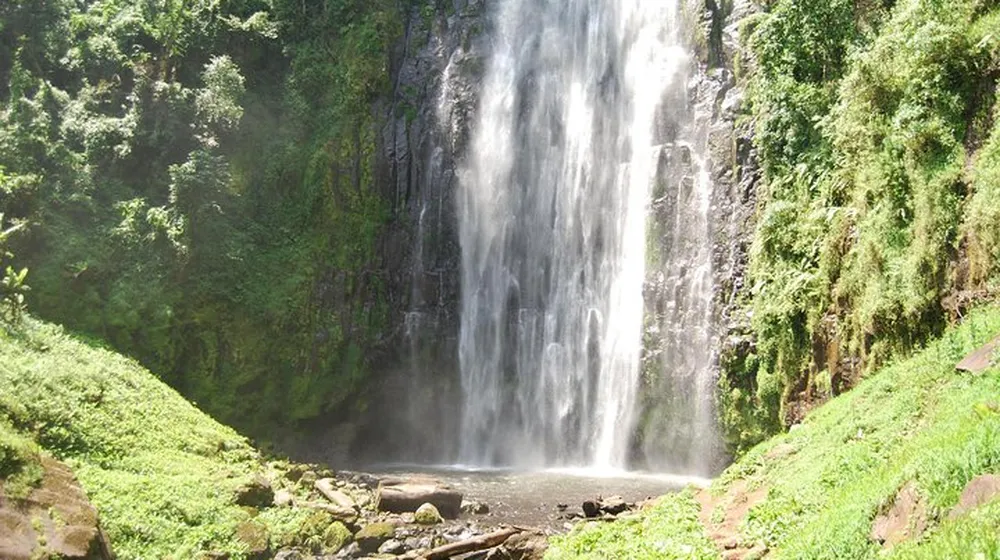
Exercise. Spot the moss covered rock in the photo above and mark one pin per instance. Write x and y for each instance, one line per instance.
(427, 514)
(336, 537)
(372, 536)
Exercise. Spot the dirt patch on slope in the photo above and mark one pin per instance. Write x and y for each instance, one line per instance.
(723, 515)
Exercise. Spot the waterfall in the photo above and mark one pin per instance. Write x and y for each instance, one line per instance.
(553, 203)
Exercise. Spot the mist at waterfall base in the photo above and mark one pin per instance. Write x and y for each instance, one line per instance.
(585, 335)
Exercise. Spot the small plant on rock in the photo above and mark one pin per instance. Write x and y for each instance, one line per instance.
(12, 286)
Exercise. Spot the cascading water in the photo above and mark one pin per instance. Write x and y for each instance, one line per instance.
(553, 205)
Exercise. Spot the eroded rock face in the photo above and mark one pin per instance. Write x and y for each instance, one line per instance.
(979, 491)
(55, 521)
(905, 520)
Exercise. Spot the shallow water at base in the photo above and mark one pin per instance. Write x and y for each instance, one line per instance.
(531, 499)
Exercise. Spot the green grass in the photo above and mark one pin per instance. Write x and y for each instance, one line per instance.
(670, 530)
(162, 474)
(917, 420)
(20, 466)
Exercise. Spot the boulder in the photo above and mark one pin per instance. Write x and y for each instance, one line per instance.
(372, 536)
(56, 515)
(399, 496)
(336, 537)
(427, 514)
(256, 493)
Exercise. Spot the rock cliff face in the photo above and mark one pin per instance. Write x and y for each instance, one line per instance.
(412, 414)
(436, 70)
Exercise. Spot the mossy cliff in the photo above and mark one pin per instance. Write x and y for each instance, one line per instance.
(875, 131)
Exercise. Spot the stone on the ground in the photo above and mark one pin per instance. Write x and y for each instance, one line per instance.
(398, 496)
(257, 493)
(254, 535)
(591, 508)
(288, 555)
(906, 519)
(979, 491)
(427, 514)
(982, 359)
(392, 546)
(371, 536)
(56, 514)
(328, 487)
(527, 546)
(308, 478)
(336, 537)
(348, 516)
(614, 505)
(283, 498)
(475, 508)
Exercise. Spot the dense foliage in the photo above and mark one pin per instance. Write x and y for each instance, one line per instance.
(196, 179)
(877, 220)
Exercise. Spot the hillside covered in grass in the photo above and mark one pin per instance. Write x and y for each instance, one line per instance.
(917, 428)
(164, 477)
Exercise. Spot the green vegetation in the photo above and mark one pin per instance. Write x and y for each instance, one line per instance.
(916, 422)
(196, 178)
(20, 462)
(671, 530)
(163, 475)
(877, 222)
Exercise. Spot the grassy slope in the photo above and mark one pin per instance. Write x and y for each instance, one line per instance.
(917, 420)
(162, 474)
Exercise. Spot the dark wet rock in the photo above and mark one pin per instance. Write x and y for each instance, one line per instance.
(56, 517)
(610, 506)
(257, 493)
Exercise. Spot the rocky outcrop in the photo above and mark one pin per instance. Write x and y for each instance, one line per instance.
(56, 520)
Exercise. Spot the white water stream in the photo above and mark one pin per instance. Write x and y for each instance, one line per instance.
(553, 208)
